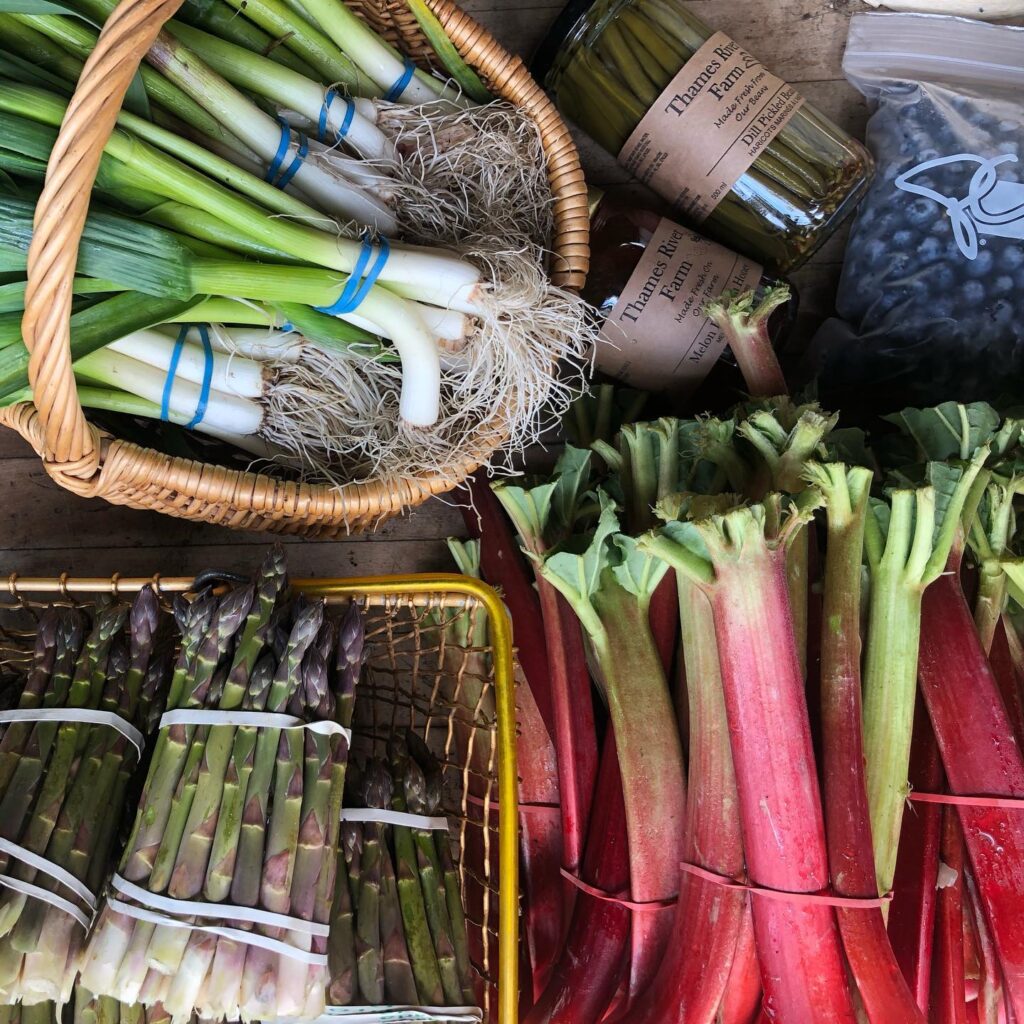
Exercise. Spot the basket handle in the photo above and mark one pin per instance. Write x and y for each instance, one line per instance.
(71, 445)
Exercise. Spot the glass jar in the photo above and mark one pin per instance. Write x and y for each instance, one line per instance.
(649, 281)
(731, 147)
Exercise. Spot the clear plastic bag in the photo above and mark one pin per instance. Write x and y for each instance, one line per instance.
(932, 291)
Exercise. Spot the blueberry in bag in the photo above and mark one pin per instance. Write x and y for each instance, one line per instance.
(932, 290)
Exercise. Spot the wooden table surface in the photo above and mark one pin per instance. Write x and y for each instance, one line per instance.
(45, 530)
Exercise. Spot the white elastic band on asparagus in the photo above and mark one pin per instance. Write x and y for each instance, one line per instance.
(235, 934)
(56, 872)
(257, 719)
(89, 717)
(7, 882)
(224, 911)
(388, 817)
(396, 1014)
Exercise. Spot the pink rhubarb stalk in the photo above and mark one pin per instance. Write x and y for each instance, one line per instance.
(798, 945)
(949, 998)
(883, 989)
(744, 322)
(610, 587)
(586, 976)
(692, 980)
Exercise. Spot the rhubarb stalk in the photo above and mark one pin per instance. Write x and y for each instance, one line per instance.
(708, 921)
(912, 911)
(587, 973)
(883, 989)
(610, 587)
(542, 515)
(739, 559)
(949, 1000)
(907, 543)
(981, 757)
(744, 322)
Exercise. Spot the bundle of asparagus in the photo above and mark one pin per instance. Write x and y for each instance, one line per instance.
(62, 784)
(85, 1009)
(398, 930)
(223, 894)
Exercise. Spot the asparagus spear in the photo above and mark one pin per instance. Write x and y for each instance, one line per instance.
(399, 981)
(341, 955)
(172, 744)
(413, 786)
(445, 864)
(369, 965)
(226, 623)
(414, 898)
(266, 849)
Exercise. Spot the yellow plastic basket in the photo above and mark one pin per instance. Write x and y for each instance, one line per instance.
(420, 669)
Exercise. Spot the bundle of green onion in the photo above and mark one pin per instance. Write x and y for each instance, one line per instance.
(65, 761)
(222, 897)
(398, 928)
(401, 355)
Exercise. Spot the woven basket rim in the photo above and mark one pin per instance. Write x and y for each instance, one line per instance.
(125, 473)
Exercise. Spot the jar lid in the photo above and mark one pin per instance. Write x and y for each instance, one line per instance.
(547, 50)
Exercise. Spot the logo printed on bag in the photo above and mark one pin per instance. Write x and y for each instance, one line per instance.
(990, 207)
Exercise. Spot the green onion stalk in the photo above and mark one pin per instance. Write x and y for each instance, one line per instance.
(63, 44)
(609, 76)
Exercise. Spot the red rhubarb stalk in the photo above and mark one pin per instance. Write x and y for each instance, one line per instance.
(949, 998)
(883, 989)
(912, 911)
(610, 587)
(691, 982)
(1002, 662)
(542, 515)
(981, 757)
(742, 1001)
(502, 565)
(798, 944)
(990, 995)
(586, 976)
(744, 322)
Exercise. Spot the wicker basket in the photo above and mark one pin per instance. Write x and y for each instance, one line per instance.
(416, 676)
(91, 462)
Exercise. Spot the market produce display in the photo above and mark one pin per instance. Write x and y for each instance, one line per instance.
(384, 231)
(735, 632)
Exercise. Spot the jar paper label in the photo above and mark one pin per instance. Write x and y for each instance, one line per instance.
(709, 125)
(657, 337)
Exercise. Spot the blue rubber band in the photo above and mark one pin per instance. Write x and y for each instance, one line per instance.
(172, 371)
(395, 92)
(204, 391)
(275, 175)
(358, 286)
(282, 150)
(346, 122)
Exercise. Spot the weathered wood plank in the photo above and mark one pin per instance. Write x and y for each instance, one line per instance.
(324, 560)
(35, 510)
